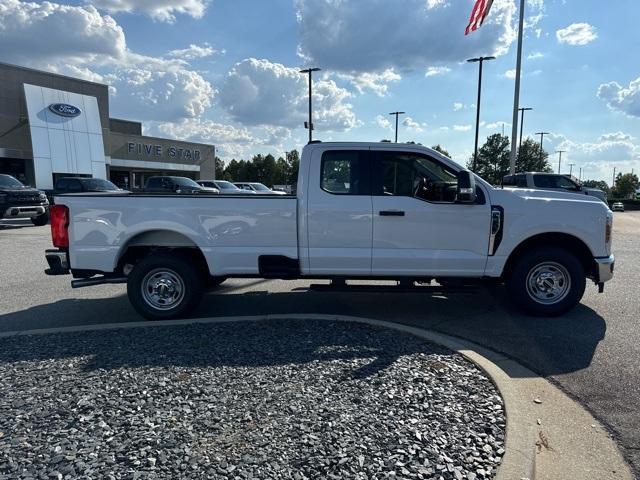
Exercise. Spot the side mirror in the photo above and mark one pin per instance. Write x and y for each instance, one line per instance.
(466, 187)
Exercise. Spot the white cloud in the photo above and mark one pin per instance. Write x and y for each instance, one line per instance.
(535, 55)
(383, 122)
(32, 33)
(434, 71)
(82, 42)
(623, 99)
(375, 82)
(412, 125)
(462, 128)
(596, 158)
(193, 52)
(161, 10)
(577, 34)
(458, 106)
(510, 73)
(341, 35)
(259, 92)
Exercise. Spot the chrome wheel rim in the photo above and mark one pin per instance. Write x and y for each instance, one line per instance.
(162, 289)
(548, 283)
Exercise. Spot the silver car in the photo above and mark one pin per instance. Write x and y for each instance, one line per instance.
(257, 188)
(618, 207)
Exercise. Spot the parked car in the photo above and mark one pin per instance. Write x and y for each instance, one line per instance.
(618, 207)
(184, 185)
(362, 210)
(82, 184)
(20, 201)
(226, 188)
(258, 188)
(551, 181)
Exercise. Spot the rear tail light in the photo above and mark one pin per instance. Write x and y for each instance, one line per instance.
(59, 225)
(608, 230)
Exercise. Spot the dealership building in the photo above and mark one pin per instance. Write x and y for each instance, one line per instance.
(53, 126)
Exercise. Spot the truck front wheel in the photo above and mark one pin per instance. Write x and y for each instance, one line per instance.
(163, 286)
(547, 281)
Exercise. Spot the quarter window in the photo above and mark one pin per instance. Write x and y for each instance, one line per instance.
(344, 172)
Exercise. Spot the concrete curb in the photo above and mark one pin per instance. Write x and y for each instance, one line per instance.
(549, 436)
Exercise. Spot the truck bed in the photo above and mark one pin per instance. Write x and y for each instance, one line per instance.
(231, 231)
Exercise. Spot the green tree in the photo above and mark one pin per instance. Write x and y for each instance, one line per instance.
(439, 148)
(293, 164)
(219, 168)
(493, 159)
(531, 158)
(626, 185)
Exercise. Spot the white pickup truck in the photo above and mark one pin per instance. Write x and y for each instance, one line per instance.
(362, 211)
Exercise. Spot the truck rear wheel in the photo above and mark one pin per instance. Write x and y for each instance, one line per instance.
(547, 281)
(163, 286)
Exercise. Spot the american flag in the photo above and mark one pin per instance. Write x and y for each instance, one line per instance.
(478, 14)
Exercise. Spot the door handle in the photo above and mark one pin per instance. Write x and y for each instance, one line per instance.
(391, 213)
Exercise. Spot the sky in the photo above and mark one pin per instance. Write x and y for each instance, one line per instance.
(225, 72)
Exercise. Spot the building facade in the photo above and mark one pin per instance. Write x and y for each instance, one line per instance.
(53, 126)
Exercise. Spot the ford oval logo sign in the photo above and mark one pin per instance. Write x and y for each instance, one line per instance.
(65, 110)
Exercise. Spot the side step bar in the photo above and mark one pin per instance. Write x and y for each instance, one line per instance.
(89, 282)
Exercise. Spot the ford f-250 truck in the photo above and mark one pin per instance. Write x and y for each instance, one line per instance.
(362, 211)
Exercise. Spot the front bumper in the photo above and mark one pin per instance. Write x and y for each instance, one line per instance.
(58, 261)
(24, 211)
(604, 268)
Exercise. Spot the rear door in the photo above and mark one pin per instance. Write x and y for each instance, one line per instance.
(339, 212)
(418, 229)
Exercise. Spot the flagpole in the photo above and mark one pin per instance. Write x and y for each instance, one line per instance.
(516, 95)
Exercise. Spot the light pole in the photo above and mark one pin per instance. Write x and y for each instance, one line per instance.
(571, 168)
(542, 134)
(396, 114)
(310, 124)
(580, 177)
(522, 110)
(560, 159)
(613, 184)
(479, 60)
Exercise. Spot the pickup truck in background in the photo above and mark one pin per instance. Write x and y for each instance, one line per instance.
(19, 201)
(551, 181)
(362, 211)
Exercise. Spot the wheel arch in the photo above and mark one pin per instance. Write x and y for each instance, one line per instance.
(160, 240)
(566, 241)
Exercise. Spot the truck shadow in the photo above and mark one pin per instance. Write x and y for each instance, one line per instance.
(548, 346)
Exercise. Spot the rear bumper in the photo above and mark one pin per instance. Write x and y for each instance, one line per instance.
(58, 261)
(605, 268)
(24, 211)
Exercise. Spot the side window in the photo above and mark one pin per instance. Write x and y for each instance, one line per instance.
(63, 184)
(521, 181)
(414, 175)
(75, 186)
(344, 172)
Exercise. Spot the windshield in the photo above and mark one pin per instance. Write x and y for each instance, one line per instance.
(9, 181)
(223, 185)
(260, 187)
(184, 182)
(99, 184)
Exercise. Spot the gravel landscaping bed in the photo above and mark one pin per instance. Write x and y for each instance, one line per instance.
(294, 399)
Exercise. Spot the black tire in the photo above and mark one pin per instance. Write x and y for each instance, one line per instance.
(546, 281)
(178, 286)
(40, 220)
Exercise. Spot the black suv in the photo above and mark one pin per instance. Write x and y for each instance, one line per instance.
(83, 184)
(184, 185)
(19, 201)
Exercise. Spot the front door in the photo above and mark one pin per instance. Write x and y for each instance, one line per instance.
(418, 229)
(339, 213)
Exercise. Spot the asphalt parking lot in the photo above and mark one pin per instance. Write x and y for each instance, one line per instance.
(593, 353)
